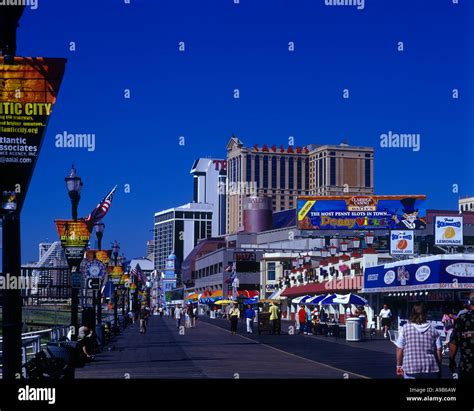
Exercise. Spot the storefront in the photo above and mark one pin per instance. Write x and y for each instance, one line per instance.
(440, 281)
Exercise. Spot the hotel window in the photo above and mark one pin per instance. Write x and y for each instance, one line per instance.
(332, 170)
(367, 172)
(299, 174)
(320, 176)
(282, 173)
(248, 168)
(274, 172)
(257, 170)
(306, 186)
(291, 170)
(271, 271)
(265, 172)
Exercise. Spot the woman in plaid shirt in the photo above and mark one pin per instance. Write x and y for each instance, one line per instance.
(418, 347)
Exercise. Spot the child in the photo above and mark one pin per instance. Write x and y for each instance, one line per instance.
(187, 320)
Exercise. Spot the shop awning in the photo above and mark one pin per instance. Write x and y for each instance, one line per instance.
(307, 289)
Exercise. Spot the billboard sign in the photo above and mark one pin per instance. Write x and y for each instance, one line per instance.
(74, 236)
(403, 212)
(448, 230)
(28, 91)
(402, 242)
(447, 271)
(115, 273)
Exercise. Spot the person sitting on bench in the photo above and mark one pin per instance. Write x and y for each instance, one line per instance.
(85, 339)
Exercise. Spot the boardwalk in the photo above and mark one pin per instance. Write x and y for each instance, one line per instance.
(207, 351)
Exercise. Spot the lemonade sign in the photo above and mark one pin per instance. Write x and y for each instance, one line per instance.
(449, 230)
(402, 242)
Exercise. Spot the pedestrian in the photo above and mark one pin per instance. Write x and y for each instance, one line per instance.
(144, 313)
(418, 347)
(363, 319)
(309, 322)
(386, 316)
(249, 315)
(187, 317)
(274, 318)
(302, 319)
(234, 315)
(195, 316)
(463, 338)
(160, 310)
(177, 315)
(448, 325)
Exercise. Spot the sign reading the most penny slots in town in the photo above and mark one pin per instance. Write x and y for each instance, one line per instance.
(28, 91)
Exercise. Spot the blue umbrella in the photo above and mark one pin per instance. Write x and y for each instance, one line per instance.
(316, 299)
(300, 300)
(328, 300)
(351, 299)
(251, 301)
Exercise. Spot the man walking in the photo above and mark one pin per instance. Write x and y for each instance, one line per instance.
(178, 313)
(386, 316)
(463, 338)
(274, 317)
(249, 315)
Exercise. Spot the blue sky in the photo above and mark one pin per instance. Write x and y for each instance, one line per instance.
(282, 94)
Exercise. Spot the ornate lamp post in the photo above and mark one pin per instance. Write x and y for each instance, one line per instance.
(99, 232)
(115, 252)
(74, 187)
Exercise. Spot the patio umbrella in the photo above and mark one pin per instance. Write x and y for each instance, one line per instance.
(224, 302)
(350, 299)
(316, 299)
(251, 301)
(329, 299)
(300, 300)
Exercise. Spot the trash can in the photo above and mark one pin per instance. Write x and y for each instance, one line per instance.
(353, 329)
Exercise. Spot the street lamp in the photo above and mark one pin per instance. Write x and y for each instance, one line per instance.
(115, 251)
(344, 245)
(74, 187)
(99, 232)
(356, 242)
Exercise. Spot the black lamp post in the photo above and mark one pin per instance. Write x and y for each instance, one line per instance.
(97, 295)
(99, 232)
(74, 187)
(115, 252)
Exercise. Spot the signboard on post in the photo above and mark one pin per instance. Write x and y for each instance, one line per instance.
(402, 242)
(115, 273)
(28, 91)
(74, 237)
(449, 230)
(405, 212)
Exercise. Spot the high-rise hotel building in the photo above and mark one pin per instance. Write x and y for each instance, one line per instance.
(284, 174)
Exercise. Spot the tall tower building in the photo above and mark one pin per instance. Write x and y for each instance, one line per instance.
(210, 176)
(284, 174)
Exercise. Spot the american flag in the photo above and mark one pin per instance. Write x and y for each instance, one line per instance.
(99, 212)
(233, 269)
(137, 272)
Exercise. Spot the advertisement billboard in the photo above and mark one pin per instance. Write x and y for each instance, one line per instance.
(74, 236)
(115, 273)
(448, 230)
(447, 271)
(402, 212)
(402, 242)
(28, 91)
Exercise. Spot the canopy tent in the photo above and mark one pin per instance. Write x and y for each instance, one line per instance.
(316, 299)
(350, 299)
(329, 299)
(300, 300)
(192, 297)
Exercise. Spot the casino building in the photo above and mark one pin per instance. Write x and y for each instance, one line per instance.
(283, 174)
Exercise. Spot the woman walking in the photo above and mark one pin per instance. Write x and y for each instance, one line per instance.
(418, 347)
(234, 315)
